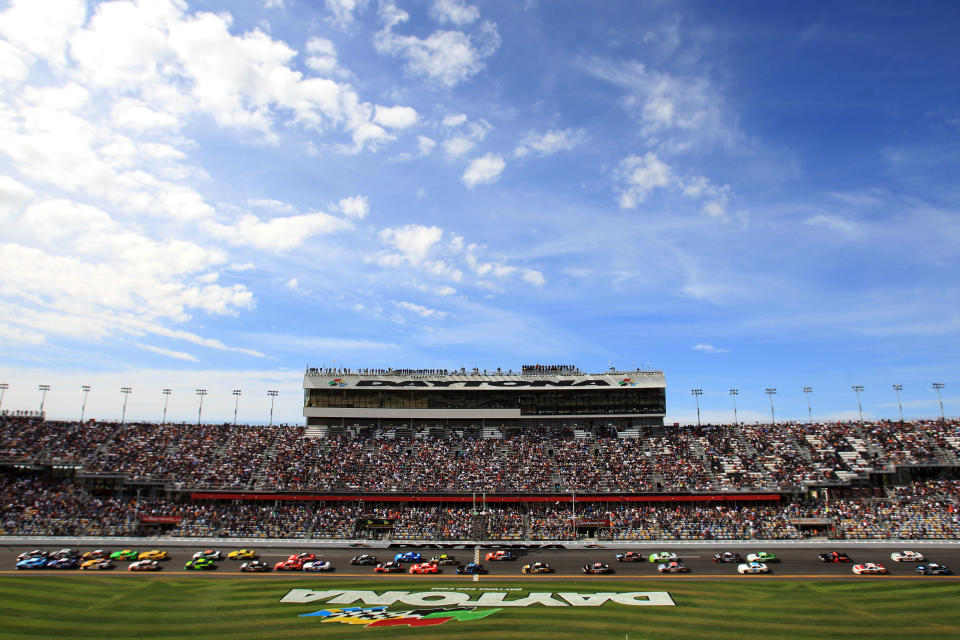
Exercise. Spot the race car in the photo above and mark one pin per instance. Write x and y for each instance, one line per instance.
(630, 556)
(207, 554)
(124, 554)
(933, 569)
(408, 556)
(907, 556)
(663, 556)
(66, 553)
(293, 563)
(444, 558)
(869, 568)
(318, 565)
(364, 559)
(727, 556)
(99, 564)
(834, 556)
(153, 554)
(200, 564)
(255, 566)
(471, 569)
(144, 565)
(596, 567)
(762, 556)
(302, 557)
(32, 563)
(753, 567)
(96, 554)
(673, 567)
(501, 555)
(242, 554)
(63, 563)
(36, 553)
(537, 567)
(425, 567)
(388, 567)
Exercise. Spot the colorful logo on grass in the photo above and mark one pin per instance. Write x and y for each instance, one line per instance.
(380, 617)
(628, 382)
(338, 382)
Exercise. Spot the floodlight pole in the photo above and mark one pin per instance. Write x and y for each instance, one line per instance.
(273, 396)
(83, 407)
(200, 393)
(236, 404)
(43, 398)
(696, 393)
(733, 395)
(857, 388)
(3, 389)
(770, 391)
(166, 398)
(126, 394)
(808, 391)
(938, 386)
(898, 388)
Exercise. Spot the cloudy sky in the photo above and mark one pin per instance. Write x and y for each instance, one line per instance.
(214, 194)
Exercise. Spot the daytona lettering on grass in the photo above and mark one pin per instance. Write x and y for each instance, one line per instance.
(488, 599)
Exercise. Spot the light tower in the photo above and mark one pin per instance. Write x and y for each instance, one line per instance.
(200, 394)
(696, 393)
(236, 404)
(166, 398)
(808, 391)
(898, 388)
(733, 395)
(857, 388)
(273, 396)
(938, 386)
(83, 407)
(43, 397)
(3, 390)
(770, 391)
(126, 394)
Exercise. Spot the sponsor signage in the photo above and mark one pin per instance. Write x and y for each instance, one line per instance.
(375, 523)
(473, 384)
(160, 519)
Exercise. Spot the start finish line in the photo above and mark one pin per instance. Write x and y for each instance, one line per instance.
(487, 599)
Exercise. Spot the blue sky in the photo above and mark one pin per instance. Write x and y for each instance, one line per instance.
(217, 194)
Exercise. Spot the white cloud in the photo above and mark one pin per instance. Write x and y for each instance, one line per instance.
(413, 241)
(550, 142)
(12, 67)
(293, 284)
(322, 56)
(426, 145)
(273, 4)
(422, 311)
(275, 234)
(533, 277)
(42, 29)
(484, 170)
(343, 10)
(709, 348)
(13, 196)
(356, 207)
(395, 117)
(136, 115)
(179, 355)
(455, 120)
(270, 203)
(639, 175)
(454, 11)
(834, 223)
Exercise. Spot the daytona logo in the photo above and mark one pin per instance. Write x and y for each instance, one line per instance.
(487, 599)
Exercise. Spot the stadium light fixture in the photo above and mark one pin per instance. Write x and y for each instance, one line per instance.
(808, 391)
(43, 397)
(3, 390)
(770, 391)
(937, 386)
(166, 399)
(83, 407)
(898, 388)
(733, 395)
(236, 404)
(273, 396)
(200, 393)
(126, 394)
(858, 388)
(696, 393)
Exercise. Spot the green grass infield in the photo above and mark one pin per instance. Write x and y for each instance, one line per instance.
(140, 607)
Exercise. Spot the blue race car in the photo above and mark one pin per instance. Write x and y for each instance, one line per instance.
(471, 569)
(63, 563)
(408, 556)
(32, 563)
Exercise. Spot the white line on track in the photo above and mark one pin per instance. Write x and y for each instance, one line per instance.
(476, 560)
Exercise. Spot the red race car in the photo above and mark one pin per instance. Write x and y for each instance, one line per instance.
(293, 563)
(388, 567)
(425, 567)
(495, 556)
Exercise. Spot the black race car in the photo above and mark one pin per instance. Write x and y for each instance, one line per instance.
(834, 556)
(365, 559)
(67, 553)
(727, 556)
(255, 566)
(934, 569)
(36, 553)
(444, 558)
(471, 569)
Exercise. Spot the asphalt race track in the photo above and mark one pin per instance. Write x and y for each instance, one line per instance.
(795, 562)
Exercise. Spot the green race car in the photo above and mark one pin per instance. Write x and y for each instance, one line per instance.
(763, 556)
(125, 554)
(199, 564)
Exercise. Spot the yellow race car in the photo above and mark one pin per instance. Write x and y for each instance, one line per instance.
(153, 554)
(242, 554)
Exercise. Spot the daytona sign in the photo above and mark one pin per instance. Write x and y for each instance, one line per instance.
(487, 599)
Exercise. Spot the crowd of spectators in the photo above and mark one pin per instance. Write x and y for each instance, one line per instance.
(712, 458)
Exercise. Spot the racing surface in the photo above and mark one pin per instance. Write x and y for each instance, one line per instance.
(794, 562)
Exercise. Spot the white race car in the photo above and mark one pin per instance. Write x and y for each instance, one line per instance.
(318, 565)
(907, 556)
(869, 568)
(663, 556)
(753, 567)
